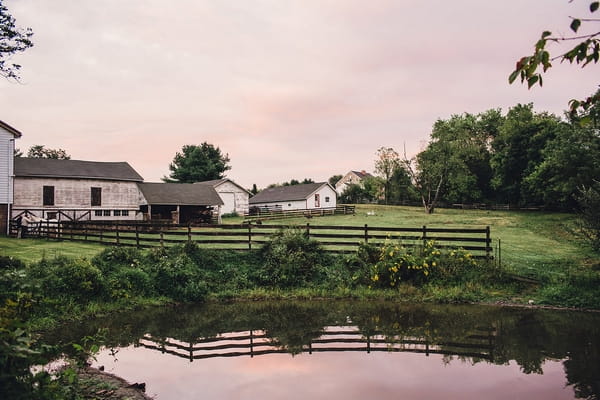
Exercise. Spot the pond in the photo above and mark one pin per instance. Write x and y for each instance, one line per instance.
(351, 350)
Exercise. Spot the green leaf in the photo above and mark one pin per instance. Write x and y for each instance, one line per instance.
(513, 76)
(575, 24)
(594, 6)
(531, 81)
(545, 34)
(585, 121)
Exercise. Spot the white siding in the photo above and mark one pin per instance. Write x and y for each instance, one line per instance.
(7, 150)
(235, 198)
(75, 194)
(325, 193)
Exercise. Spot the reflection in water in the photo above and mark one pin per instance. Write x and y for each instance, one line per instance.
(533, 340)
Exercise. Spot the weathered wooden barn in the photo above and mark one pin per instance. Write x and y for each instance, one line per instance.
(8, 134)
(235, 198)
(296, 197)
(75, 190)
(180, 203)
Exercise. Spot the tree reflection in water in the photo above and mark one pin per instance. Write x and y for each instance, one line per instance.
(471, 334)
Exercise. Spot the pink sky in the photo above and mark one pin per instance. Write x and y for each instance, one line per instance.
(288, 88)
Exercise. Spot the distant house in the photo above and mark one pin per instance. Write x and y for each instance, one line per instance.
(296, 197)
(351, 178)
(180, 203)
(8, 134)
(235, 198)
(75, 190)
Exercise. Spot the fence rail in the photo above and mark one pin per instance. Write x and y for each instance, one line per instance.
(265, 213)
(338, 239)
(334, 339)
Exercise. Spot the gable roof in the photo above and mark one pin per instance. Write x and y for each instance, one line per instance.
(183, 194)
(287, 193)
(75, 169)
(218, 182)
(362, 174)
(10, 129)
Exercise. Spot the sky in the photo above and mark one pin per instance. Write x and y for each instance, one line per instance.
(289, 89)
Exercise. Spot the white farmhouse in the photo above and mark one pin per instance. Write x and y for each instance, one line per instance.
(75, 190)
(8, 135)
(235, 198)
(308, 196)
(351, 178)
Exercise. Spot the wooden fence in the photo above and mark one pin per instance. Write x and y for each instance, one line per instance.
(479, 345)
(339, 239)
(265, 213)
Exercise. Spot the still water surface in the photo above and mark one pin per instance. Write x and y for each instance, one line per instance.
(353, 350)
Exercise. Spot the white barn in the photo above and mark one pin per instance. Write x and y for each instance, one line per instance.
(235, 198)
(308, 196)
(8, 134)
(76, 190)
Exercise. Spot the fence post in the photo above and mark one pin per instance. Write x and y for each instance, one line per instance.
(47, 229)
(189, 232)
(117, 229)
(366, 233)
(101, 232)
(307, 230)
(137, 236)
(488, 243)
(424, 235)
(85, 232)
(162, 243)
(249, 236)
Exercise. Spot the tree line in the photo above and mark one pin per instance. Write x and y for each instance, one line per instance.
(522, 158)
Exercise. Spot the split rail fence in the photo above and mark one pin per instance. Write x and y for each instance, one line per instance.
(339, 239)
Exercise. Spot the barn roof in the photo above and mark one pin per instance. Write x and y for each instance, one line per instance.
(286, 193)
(183, 194)
(75, 169)
(217, 182)
(10, 129)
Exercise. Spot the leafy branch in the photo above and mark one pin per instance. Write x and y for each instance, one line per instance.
(530, 68)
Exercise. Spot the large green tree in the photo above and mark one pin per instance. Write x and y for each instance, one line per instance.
(12, 41)
(198, 163)
(518, 150)
(386, 163)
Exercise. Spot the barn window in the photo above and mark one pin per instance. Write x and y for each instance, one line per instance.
(107, 213)
(117, 213)
(125, 213)
(96, 196)
(326, 199)
(98, 213)
(48, 195)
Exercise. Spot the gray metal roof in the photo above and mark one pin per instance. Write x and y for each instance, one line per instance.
(183, 194)
(75, 169)
(286, 193)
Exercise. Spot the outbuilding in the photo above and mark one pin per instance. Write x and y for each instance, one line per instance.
(308, 196)
(235, 198)
(8, 134)
(180, 203)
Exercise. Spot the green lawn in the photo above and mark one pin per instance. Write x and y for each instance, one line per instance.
(530, 241)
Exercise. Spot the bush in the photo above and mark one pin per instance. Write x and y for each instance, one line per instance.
(589, 215)
(290, 259)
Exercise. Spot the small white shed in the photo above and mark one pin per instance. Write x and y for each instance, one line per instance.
(308, 196)
(235, 198)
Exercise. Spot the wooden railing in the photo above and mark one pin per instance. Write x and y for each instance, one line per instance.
(273, 213)
(339, 239)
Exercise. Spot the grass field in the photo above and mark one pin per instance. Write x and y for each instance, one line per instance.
(529, 242)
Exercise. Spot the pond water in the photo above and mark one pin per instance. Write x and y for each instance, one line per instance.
(352, 350)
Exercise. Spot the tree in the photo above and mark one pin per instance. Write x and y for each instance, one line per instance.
(40, 151)
(334, 179)
(197, 164)
(589, 202)
(12, 40)
(254, 189)
(585, 51)
(388, 161)
(428, 171)
(518, 150)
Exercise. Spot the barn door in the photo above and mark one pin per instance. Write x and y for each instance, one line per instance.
(317, 200)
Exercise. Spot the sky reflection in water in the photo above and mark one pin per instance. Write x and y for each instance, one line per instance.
(506, 353)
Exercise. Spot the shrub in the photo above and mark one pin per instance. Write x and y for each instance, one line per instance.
(290, 259)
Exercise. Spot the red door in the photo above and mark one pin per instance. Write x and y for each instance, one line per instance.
(317, 200)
